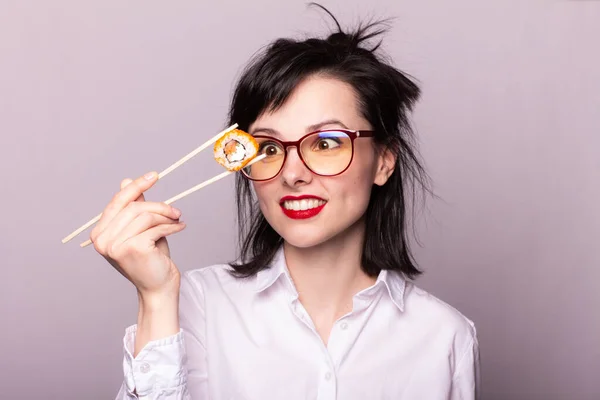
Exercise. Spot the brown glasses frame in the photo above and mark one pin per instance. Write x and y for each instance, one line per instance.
(352, 134)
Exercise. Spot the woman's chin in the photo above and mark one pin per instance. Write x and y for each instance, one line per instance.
(303, 239)
(301, 242)
(316, 235)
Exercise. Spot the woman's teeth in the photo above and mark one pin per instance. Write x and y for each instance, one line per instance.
(301, 205)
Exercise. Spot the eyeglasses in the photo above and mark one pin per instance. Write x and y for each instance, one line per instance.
(325, 153)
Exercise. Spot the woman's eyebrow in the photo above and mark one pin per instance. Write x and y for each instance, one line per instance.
(310, 128)
(316, 127)
(269, 131)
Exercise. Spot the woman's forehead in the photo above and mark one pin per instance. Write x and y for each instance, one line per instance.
(315, 104)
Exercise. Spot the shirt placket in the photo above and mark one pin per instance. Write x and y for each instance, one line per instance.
(327, 382)
(341, 335)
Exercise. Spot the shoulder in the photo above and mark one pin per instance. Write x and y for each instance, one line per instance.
(435, 315)
(215, 278)
(445, 327)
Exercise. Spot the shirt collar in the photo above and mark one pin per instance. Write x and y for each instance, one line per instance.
(266, 277)
(395, 285)
(393, 281)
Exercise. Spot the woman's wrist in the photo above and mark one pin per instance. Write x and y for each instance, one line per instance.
(158, 318)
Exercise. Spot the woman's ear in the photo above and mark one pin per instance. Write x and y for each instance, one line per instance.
(386, 161)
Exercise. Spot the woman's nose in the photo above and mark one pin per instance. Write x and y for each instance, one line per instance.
(294, 172)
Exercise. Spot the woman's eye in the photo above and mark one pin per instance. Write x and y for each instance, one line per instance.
(269, 149)
(327, 144)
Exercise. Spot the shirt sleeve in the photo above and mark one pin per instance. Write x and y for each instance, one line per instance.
(466, 383)
(171, 368)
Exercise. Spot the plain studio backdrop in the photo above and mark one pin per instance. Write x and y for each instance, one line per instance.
(93, 92)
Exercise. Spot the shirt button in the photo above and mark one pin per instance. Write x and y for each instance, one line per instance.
(328, 376)
(145, 367)
(344, 326)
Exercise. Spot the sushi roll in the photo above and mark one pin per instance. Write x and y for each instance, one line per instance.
(235, 149)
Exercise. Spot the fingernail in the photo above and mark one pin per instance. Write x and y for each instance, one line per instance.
(149, 175)
(177, 211)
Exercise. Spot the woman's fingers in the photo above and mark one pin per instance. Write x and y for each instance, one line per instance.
(141, 223)
(126, 182)
(128, 222)
(130, 193)
(159, 231)
(141, 235)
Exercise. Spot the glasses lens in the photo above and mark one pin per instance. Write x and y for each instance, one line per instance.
(328, 152)
(269, 166)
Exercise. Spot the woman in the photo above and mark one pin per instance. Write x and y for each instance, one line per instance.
(320, 304)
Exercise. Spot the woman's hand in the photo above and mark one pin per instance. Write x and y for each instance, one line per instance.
(131, 236)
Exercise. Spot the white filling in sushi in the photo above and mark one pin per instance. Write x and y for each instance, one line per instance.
(234, 151)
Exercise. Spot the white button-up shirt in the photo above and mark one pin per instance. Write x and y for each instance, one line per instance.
(251, 339)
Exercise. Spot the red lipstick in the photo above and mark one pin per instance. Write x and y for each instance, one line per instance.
(301, 214)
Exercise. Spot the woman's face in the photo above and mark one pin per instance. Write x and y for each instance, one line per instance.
(319, 103)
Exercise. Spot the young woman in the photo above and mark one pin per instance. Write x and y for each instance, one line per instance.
(320, 304)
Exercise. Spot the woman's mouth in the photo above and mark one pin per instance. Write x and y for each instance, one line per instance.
(302, 207)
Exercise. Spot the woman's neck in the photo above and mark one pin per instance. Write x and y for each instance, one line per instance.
(328, 276)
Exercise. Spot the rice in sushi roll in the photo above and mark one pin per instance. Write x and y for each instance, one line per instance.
(235, 149)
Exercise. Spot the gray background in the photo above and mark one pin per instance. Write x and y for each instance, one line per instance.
(92, 92)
